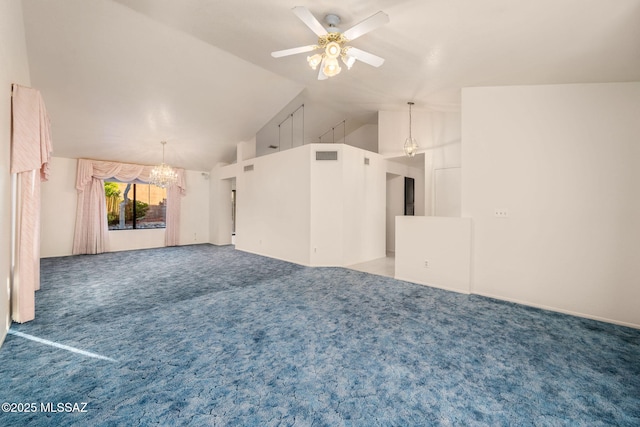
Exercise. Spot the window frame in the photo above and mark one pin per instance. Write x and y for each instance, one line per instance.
(133, 199)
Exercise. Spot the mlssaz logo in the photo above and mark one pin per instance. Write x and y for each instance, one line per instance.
(63, 407)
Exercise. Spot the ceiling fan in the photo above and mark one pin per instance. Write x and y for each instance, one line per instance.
(333, 43)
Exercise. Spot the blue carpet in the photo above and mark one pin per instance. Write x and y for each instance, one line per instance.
(205, 335)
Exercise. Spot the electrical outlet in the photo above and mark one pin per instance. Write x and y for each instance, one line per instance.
(427, 264)
(501, 213)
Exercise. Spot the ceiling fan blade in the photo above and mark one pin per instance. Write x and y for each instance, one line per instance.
(293, 51)
(369, 24)
(321, 74)
(305, 16)
(366, 57)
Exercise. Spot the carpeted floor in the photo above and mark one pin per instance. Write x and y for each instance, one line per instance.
(205, 335)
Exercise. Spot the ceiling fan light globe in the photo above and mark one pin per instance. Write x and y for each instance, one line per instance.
(348, 61)
(333, 50)
(314, 60)
(331, 67)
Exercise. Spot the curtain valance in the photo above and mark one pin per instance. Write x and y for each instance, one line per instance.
(31, 133)
(126, 172)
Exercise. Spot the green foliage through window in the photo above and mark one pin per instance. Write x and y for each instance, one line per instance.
(133, 206)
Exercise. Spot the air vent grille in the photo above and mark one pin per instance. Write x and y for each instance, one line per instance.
(326, 155)
(248, 168)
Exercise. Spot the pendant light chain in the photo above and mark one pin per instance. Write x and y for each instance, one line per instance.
(410, 104)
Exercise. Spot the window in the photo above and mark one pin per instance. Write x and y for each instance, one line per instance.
(135, 206)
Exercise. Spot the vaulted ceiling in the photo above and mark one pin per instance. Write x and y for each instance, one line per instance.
(119, 76)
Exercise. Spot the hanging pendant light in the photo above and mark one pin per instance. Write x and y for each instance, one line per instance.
(410, 144)
(163, 175)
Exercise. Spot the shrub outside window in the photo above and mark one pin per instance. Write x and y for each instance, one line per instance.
(132, 205)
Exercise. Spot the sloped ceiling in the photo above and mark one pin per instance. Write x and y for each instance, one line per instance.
(119, 76)
(116, 83)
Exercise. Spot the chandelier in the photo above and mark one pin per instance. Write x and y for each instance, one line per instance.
(163, 175)
(410, 144)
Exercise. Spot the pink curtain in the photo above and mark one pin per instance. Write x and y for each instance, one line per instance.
(30, 155)
(91, 235)
(172, 232)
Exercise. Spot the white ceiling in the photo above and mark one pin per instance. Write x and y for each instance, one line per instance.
(119, 76)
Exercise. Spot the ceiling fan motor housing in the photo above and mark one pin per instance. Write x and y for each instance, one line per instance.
(333, 21)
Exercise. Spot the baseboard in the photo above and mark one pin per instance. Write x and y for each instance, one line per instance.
(559, 310)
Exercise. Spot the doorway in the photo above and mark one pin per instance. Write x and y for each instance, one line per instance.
(234, 198)
(409, 196)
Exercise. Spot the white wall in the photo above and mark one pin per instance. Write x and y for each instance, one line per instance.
(327, 205)
(220, 186)
(447, 192)
(272, 206)
(395, 207)
(128, 240)
(14, 68)
(246, 150)
(310, 212)
(363, 192)
(194, 209)
(271, 134)
(365, 137)
(564, 161)
(434, 251)
(347, 206)
(58, 208)
(59, 199)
